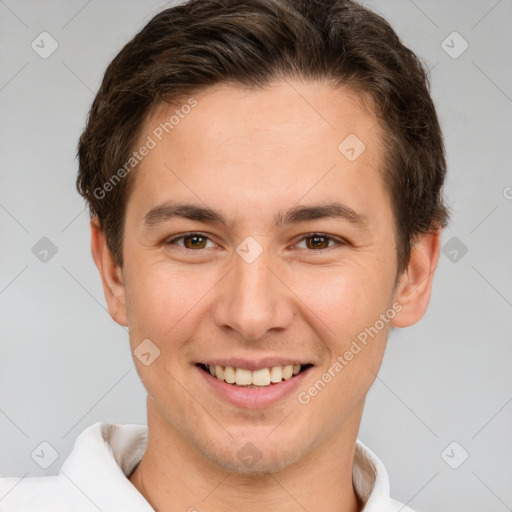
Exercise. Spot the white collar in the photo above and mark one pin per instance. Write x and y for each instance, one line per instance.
(95, 475)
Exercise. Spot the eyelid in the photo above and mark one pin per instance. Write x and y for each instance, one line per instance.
(339, 241)
(170, 241)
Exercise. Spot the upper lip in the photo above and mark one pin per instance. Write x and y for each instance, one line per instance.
(253, 364)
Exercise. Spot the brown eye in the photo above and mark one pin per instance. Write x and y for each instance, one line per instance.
(190, 241)
(319, 241)
(194, 241)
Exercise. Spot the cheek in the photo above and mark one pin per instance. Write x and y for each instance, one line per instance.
(349, 304)
(154, 300)
(347, 297)
(164, 300)
(348, 301)
(160, 301)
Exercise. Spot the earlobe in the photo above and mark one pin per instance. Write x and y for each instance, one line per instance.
(415, 285)
(111, 274)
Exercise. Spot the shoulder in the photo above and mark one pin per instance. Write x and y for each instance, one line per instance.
(93, 477)
(371, 482)
(40, 494)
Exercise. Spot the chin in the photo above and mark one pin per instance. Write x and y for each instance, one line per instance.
(266, 465)
(257, 457)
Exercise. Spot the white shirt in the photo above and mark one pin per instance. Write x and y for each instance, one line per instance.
(95, 477)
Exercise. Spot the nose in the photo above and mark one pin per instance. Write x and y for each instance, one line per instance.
(253, 300)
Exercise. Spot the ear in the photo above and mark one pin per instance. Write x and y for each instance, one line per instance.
(415, 285)
(111, 274)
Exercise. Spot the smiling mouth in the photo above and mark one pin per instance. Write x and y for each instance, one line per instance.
(253, 379)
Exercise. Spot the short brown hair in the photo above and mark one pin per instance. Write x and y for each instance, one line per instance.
(251, 43)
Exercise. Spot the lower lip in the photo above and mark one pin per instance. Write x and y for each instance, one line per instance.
(254, 398)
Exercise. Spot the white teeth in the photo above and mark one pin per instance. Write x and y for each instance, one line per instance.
(276, 374)
(219, 370)
(261, 377)
(229, 374)
(287, 371)
(243, 377)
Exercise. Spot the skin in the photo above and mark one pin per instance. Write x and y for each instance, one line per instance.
(251, 154)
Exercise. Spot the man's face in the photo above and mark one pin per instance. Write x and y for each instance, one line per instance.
(253, 294)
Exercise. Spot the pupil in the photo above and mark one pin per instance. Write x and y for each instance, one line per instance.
(194, 237)
(316, 239)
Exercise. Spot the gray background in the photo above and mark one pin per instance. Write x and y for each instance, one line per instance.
(64, 364)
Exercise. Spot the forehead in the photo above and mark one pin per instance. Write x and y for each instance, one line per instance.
(247, 116)
(253, 149)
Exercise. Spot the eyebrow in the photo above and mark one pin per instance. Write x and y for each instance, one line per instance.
(296, 214)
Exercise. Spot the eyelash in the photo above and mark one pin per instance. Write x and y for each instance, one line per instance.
(338, 241)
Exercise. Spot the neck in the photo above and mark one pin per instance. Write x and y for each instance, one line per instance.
(173, 475)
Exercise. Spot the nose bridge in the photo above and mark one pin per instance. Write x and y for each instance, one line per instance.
(253, 300)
